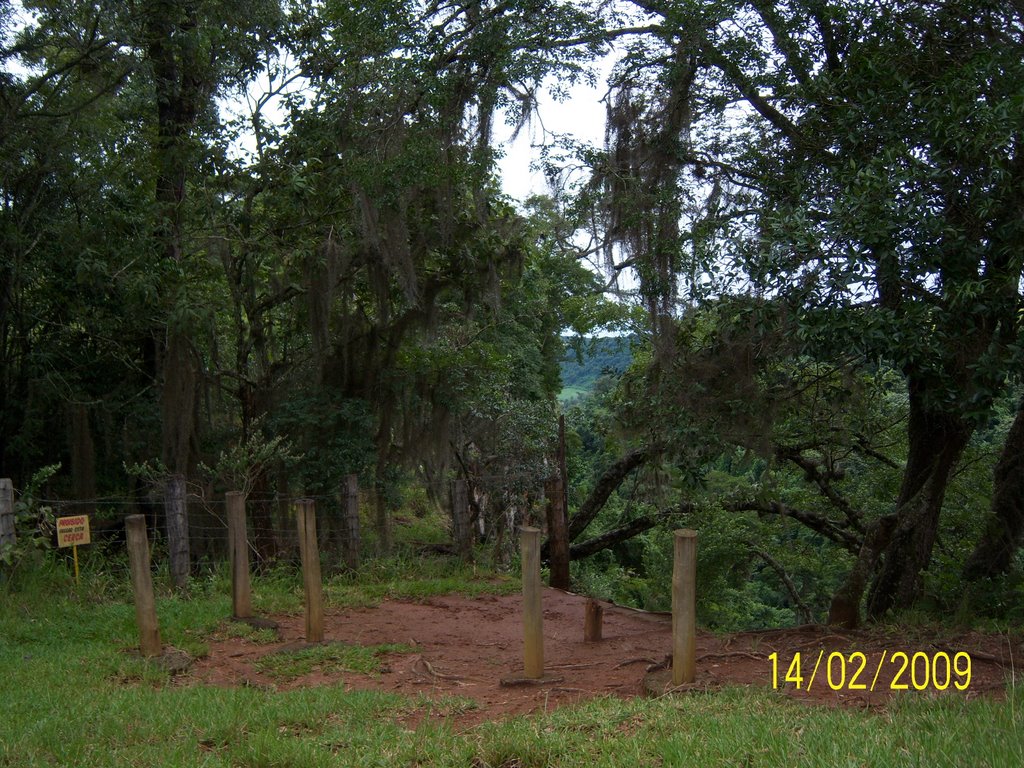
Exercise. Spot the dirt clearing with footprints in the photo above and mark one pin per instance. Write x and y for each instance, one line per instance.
(454, 646)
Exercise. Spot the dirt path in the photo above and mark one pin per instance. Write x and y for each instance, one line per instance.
(464, 647)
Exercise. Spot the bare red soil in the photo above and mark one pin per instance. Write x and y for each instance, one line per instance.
(465, 647)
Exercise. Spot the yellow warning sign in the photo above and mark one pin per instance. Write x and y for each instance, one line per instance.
(72, 531)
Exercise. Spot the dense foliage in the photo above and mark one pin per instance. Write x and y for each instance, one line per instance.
(589, 360)
(263, 245)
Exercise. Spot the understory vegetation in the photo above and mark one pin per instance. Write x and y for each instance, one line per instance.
(262, 247)
(74, 694)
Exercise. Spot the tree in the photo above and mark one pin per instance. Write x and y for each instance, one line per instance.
(877, 162)
(118, 215)
(1004, 529)
(365, 225)
(392, 167)
(64, 153)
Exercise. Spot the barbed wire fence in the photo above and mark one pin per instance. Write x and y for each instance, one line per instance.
(487, 511)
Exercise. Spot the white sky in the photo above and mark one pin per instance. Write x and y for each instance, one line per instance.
(582, 117)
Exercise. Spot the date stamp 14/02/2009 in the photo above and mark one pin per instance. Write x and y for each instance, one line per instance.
(899, 671)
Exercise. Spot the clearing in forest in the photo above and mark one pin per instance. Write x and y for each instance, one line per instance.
(454, 646)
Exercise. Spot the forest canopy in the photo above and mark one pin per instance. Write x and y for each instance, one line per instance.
(808, 221)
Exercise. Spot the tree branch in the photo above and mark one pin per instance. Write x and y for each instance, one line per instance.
(863, 446)
(822, 480)
(827, 528)
(775, 565)
(611, 538)
(606, 485)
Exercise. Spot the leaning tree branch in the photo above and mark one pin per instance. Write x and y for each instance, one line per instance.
(606, 485)
(845, 538)
(864, 446)
(627, 531)
(776, 566)
(823, 480)
(818, 523)
(611, 538)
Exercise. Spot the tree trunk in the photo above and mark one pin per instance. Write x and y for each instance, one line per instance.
(261, 513)
(350, 522)
(180, 89)
(845, 608)
(462, 530)
(383, 514)
(936, 440)
(1004, 529)
(83, 458)
(175, 507)
(178, 403)
(558, 542)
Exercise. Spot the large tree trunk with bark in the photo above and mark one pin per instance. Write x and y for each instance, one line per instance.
(181, 89)
(936, 440)
(178, 403)
(178, 409)
(175, 506)
(844, 610)
(1004, 530)
(606, 485)
(83, 457)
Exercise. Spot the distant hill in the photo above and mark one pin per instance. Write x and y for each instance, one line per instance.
(601, 355)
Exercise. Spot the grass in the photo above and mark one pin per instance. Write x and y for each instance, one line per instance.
(71, 695)
(414, 578)
(334, 657)
(571, 393)
(243, 631)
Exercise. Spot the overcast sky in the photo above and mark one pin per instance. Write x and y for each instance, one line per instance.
(582, 117)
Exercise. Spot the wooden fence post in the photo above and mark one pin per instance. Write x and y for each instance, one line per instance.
(177, 531)
(238, 552)
(462, 531)
(350, 521)
(7, 529)
(558, 534)
(593, 615)
(142, 585)
(305, 514)
(684, 607)
(533, 613)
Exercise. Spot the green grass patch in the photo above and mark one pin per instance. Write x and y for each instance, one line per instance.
(571, 393)
(72, 694)
(414, 578)
(240, 630)
(285, 665)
